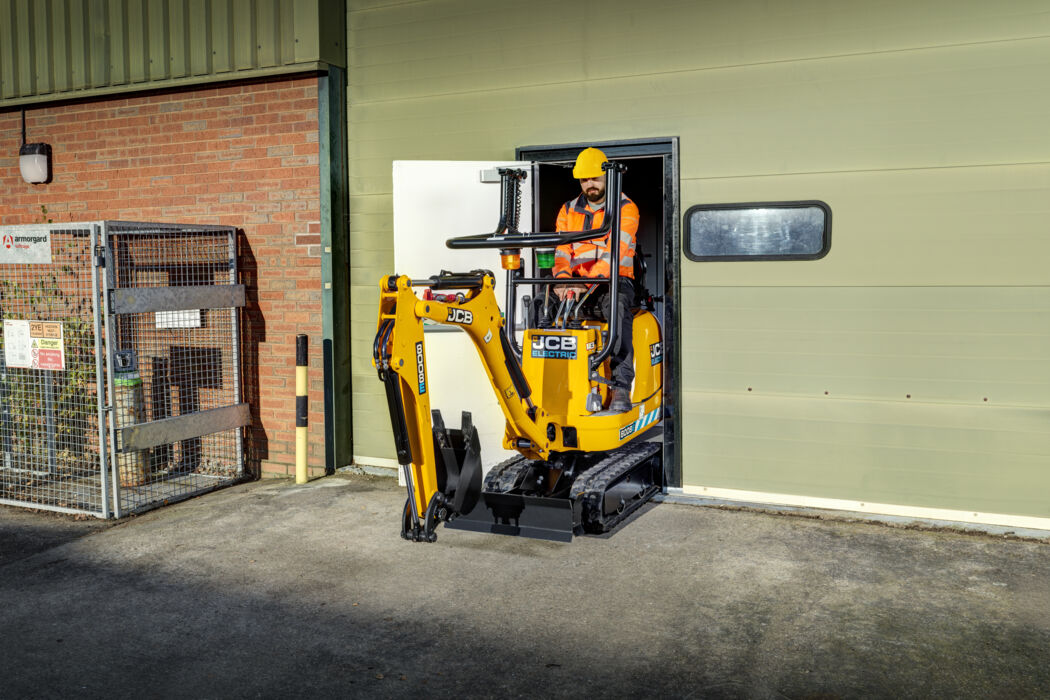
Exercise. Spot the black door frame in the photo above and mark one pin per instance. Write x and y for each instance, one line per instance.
(634, 148)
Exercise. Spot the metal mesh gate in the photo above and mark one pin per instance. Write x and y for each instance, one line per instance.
(129, 397)
(49, 407)
(175, 363)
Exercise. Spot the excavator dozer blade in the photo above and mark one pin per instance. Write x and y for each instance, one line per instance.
(614, 485)
(538, 517)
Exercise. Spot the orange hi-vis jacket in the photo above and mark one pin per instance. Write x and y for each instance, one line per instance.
(591, 258)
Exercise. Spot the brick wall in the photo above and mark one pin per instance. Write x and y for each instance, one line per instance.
(244, 156)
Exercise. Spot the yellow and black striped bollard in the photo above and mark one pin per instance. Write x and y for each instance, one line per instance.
(301, 408)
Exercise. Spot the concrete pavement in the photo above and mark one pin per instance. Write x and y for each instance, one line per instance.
(269, 589)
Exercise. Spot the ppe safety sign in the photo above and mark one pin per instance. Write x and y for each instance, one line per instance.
(34, 345)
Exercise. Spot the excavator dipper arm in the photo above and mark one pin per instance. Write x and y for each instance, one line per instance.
(442, 468)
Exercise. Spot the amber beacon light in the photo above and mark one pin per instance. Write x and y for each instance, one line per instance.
(510, 258)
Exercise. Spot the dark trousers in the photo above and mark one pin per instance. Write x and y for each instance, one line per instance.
(621, 359)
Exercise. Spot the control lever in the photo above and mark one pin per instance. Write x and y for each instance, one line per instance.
(557, 315)
(566, 306)
(583, 298)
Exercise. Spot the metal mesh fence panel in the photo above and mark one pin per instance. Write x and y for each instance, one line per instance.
(172, 359)
(119, 365)
(49, 399)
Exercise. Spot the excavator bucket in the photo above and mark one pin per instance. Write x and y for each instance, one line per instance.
(459, 456)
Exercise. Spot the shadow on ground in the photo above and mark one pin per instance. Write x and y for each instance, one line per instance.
(273, 590)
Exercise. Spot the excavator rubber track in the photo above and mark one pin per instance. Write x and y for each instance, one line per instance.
(602, 495)
(506, 475)
(617, 486)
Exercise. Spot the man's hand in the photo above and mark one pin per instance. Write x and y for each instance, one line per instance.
(563, 289)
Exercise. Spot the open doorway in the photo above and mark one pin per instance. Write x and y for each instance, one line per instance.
(651, 181)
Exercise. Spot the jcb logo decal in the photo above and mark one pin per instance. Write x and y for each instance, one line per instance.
(560, 347)
(460, 316)
(420, 371)
(656, 353)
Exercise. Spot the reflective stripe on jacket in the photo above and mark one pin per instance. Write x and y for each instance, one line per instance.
(591, 258)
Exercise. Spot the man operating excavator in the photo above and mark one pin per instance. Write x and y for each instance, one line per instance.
(593, 259)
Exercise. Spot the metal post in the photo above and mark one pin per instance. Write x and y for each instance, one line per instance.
(301, 409)
(100, 392)
(111, 342)
(49, 419)
(6, 428)
(235, 327)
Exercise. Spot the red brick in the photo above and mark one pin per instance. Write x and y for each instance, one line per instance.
(202, 156)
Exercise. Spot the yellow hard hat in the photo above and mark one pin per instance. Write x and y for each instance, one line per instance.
(589, 164)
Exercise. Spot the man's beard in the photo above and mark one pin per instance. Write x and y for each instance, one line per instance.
(594, 195)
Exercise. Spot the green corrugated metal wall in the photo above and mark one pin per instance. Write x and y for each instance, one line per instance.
(57, 49)
(909, 366)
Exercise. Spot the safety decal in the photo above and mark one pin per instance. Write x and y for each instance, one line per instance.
(656, 353)
(554, 347)
(460, 316)
(420, 371)
(644, 421)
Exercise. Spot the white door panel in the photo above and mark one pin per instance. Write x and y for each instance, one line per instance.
(434, 201)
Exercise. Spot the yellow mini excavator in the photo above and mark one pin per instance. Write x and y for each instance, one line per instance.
(580, 468)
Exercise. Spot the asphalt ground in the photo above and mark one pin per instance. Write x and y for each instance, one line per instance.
(273, 590)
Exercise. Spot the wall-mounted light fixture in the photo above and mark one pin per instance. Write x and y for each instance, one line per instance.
(34, 159)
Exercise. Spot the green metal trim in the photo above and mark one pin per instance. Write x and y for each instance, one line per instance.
(332, 33)
(51, 47)
(335, 268)
(232, 77)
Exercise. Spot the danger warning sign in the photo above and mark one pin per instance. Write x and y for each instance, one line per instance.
(34, 345)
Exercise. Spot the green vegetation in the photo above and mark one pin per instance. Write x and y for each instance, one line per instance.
(50, 416)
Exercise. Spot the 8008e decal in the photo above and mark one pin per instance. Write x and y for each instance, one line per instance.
(420, 371)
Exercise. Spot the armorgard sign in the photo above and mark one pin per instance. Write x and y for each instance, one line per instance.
(25, 245)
